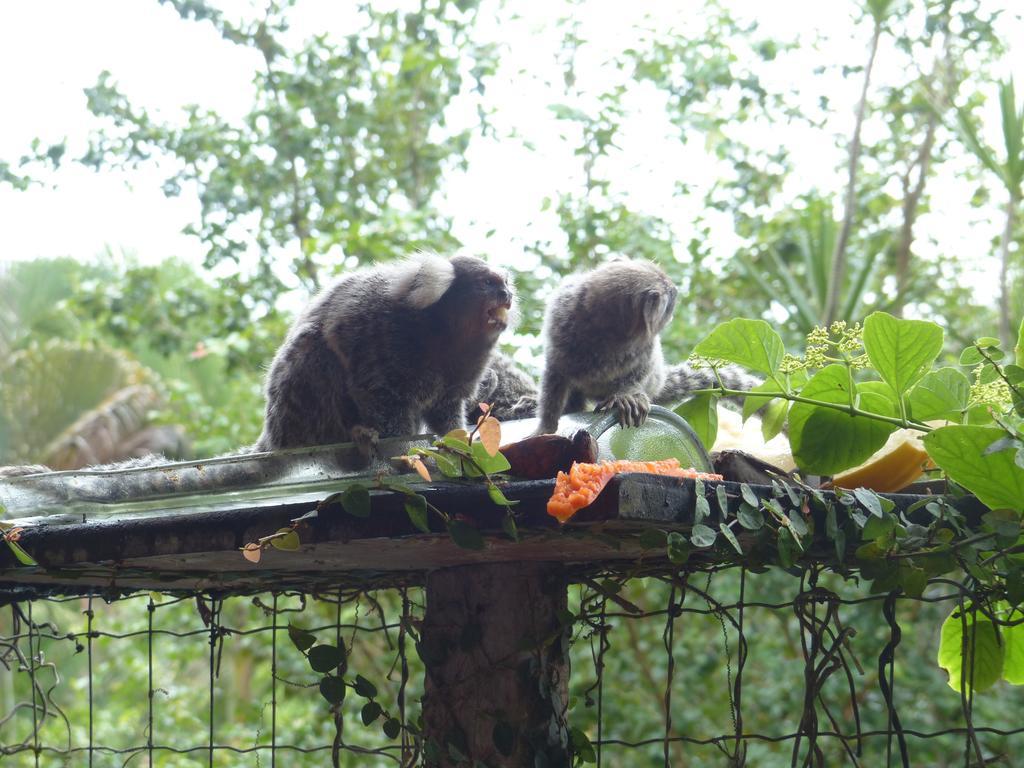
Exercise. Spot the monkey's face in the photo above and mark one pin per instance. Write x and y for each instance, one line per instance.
(481, 299)
(657, 305)
(635, 297)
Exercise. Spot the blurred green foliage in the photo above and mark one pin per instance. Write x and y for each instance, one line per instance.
(342, 160)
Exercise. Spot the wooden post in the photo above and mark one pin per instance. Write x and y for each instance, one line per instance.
(497, 665)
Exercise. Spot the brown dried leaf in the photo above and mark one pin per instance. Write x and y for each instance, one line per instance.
(490, 434)
(421, 469)
(252, 552)
(459, 434)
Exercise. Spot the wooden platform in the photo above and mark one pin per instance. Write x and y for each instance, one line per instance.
(178, 551)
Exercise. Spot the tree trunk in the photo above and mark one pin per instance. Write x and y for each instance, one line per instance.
(1004, 272)
(911, 202)
(497, 665)
(835, 282)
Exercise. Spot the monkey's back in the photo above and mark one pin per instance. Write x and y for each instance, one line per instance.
(345, 350)
(385, 349)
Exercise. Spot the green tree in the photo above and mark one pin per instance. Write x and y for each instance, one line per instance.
(338, 161)
(1010, 172)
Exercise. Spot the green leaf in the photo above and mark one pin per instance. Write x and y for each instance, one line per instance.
(701, 509)
(753, 402)
(486, 462)
(455, 443)
(869, 500)
(1018, 349)
(364, 687)
(678, 548)
(653, 538)
(797, 524)
(749, 496)
(287, 542)
(465, 535)
(836, 533)
(880, 527)
(498, 497)
(1003, 522)
(902, 351)
(982, 651)
(448, 466)
(1015, 585)
(701, 413)
(774, 419)
(978, 415)
(826, 441)
(959, 450)
(508, 525)
(753, 344)
(789, 549)
(1013, 650)
(723, 501)
(989, 373)
(356, 500)
(702, 536)
(20, 554)
(371, 711)
(876, 397)
(581, 746)
(416, 509)
(731, 537)
(750, 517)
(300, 638)
(324, 658)
(941, 394)
(392, 728)
(1015, 378)
(912, 580)
(332, 688)
(971, 356)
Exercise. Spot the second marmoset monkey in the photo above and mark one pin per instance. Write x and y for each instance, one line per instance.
(508, 389)
(385, 350)
(602, 333)
(602, 341)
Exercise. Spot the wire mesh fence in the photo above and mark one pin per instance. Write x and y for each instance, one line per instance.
(705, 668)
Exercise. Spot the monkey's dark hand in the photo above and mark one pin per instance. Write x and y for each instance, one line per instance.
(365, 439)
(633, 408)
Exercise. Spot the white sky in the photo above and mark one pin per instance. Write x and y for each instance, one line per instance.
(51, 49)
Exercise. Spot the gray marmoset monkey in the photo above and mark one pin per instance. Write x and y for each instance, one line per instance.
(377, 354)
(508, 389)
(602, 341)
(385, 350)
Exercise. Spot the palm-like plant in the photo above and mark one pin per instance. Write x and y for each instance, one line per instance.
(1010, 172)
(794, 267)
(65, 402)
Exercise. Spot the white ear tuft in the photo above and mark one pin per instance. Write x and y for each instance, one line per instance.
(422, 280)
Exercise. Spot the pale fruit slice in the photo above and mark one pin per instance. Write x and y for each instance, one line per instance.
(892, 467)
(736, 435)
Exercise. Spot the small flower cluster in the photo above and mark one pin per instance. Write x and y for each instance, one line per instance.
(697, 362)
(824, 343)
(994, 394)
